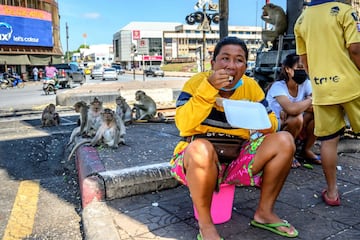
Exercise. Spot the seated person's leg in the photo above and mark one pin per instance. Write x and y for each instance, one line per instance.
(275, 163)
(200, 163)
(309, 140)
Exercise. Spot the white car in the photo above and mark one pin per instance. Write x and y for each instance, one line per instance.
(109, 73)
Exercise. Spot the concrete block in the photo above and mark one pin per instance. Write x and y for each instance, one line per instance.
(68, 98)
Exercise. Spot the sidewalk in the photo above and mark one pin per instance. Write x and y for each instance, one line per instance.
(128, 193)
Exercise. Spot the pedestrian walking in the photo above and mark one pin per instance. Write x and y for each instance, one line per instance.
(35, 73)
(328, 42)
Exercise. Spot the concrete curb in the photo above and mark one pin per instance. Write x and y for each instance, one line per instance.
(98, 185)
(88, 164)
(138, 180)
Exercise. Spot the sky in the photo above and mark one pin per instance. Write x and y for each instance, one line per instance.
(99, 20)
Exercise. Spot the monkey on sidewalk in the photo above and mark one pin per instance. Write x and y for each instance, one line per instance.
(49, 116)
(145, 108)
(93, 117)
(110, 133)
(82, 108)
(123, 110)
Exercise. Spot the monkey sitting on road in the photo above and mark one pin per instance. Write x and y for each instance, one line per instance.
(145, 109)
(49, 116)
(110, 133)
(276, 16)
(82, 108)
(123, 110)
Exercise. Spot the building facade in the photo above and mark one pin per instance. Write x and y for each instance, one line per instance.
(155, 43)
(30, 35)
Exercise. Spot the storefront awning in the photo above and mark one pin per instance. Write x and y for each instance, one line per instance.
(57, 59)
(14, 59)
(39, 60)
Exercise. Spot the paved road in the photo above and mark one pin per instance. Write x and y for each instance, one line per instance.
(39, 198)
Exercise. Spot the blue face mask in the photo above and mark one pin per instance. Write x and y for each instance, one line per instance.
(238, 84)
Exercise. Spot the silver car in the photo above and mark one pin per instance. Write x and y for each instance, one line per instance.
(109, 73)
(97, 72)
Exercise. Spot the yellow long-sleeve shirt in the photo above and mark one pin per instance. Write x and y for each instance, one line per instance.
(198, 113)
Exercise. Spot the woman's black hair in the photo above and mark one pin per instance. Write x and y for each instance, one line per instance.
(228, 41)
(289, 61)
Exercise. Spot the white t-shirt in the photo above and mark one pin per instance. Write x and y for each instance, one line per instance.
(279, 88)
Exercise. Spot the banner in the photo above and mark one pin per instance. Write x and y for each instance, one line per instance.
(24, 26)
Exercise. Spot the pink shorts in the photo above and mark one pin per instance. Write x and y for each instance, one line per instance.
(237, 172)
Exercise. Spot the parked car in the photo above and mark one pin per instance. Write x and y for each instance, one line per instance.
(119, 69)
(68, 74)
(154, 72)
(97, 72)
(109, 73)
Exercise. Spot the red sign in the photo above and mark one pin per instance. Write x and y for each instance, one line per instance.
(152, 58)
(136, 34)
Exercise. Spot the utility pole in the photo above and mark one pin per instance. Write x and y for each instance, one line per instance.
(203, 42)
(67, 43)
(224, 18)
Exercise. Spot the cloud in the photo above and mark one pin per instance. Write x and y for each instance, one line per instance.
(91, 15)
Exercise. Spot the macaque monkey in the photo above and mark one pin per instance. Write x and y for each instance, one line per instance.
(82, 108)
(145, 109)
(275, 16)
(110, 133)
(123, 110)
(49, 116)
(93, 117)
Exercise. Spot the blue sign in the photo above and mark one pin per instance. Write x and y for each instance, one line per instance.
(25, 31)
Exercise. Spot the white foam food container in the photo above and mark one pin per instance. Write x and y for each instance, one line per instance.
(245, 114)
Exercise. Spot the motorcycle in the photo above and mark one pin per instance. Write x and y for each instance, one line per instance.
(49, 85)
(11, 80)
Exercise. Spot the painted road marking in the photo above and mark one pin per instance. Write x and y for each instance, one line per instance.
(21, 220)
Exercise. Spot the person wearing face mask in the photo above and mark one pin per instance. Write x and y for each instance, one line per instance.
(290, 98)
(259, 163)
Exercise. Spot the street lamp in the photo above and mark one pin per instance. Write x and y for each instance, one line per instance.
(204, 20)
(133, 64)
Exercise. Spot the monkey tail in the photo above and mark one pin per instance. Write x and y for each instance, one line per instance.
(76, 147)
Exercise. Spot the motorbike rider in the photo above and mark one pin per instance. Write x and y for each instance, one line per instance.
(12, 78)
(51, 72)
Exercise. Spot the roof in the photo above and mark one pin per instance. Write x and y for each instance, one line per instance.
(151, 26)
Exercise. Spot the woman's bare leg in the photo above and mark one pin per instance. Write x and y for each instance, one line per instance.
(310, 137)
(201, 175)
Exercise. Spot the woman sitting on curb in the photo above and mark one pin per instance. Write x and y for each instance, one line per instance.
(260, 162)
(290, 99)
